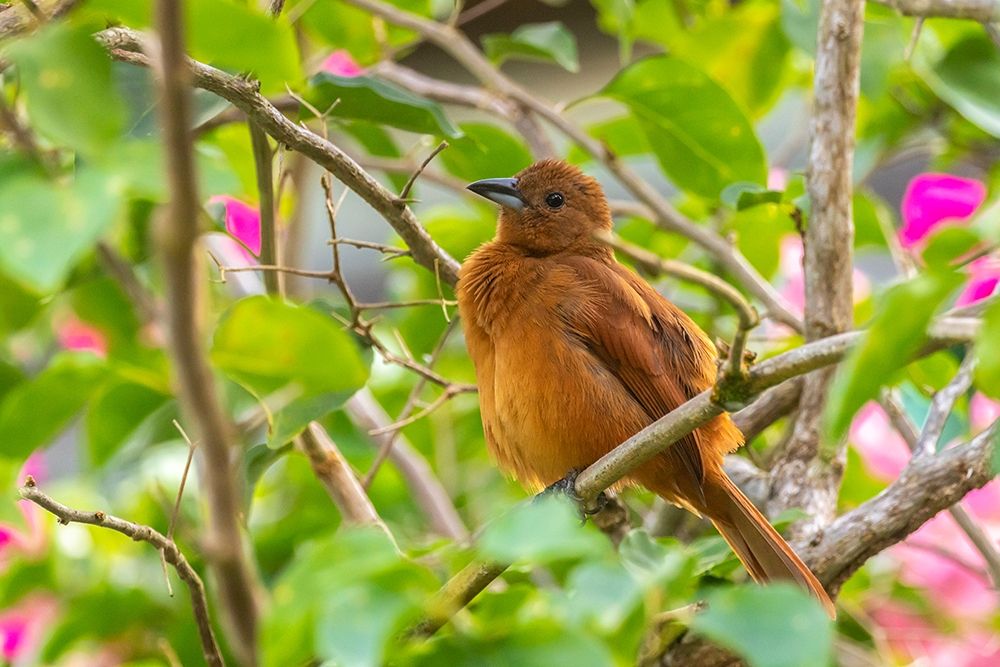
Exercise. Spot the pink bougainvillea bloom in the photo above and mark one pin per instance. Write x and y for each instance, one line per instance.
(882, 449)
(932, 199)
(794, 288)
(984, 275)
(242, 221)
(983, 411)
(340, 63)
(777, 178)
(23, 626)
(958, 590)
(984, 504)
(74, 334)
(30, 541)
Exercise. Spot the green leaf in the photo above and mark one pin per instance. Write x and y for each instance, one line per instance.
(539, 532)
(873, 221)
(967, 78)
(37, 410)
(622, 135)
(340, 26)
(376, 141)
(267, 345)
(948, 244)
(256, 460)
(759, 230)
(895, 335)
(777, 625)
(292, 419)
(602, 592)
(48, 227)
(238, 37)
(69, 94)
(548, 42)
(377, 101)
(18, 306)
(354, 624)
(988, 351)
(655, 565)
(485, 151)
(742, 196)
(701, 138)
(115, 414)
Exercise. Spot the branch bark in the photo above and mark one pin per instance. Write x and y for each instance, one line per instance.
(807, 475)
(984, 11)
(178, 243)
(167, 547)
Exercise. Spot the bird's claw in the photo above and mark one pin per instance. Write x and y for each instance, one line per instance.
(567, 487)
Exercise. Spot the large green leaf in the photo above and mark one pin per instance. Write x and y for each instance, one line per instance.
(486, 151)
(542, 531)
(988, 351)
(777, 625)
(47, 227)
(268, 345)
(700, 136)
(35, 411)
(66, 78)
(341, 26)
(622, 135)
(968, 78)
(115, 414)
(548, 42)
(233, 35)
(377, 101)
(895, 335)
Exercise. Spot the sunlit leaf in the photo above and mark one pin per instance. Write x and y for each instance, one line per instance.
(538, 532)
(60, 64)
(115, 414)
(548, 42)
(988, 351)
(374, 100)
(485, 151)
(777, 625)
(967, 78)
(895, 335)
(37, 410)
(622, 135)
(702, 139)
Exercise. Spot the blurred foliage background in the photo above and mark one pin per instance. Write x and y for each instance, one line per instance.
(708, 100)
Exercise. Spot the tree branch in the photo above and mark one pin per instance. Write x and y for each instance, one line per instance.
(167, 547)
(178, 241)
(984, 11)
(124, 43)
(802, 477)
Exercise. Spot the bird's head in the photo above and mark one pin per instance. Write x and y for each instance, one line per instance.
(547, 208)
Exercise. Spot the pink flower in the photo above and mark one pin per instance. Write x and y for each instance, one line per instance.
(931, 199)
(912, 637)
(983, 411)
(29, 542)
(23, 626)
(74, 334)
(882, 449)
(984, 274)
(242, 221)
(791, 268)
(340, 63)
(777, 178)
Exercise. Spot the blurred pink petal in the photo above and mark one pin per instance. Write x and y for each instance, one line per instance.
(242, 221)
(777, 178)
(794, 288)
(340, 63)
(948, 582)
(76, 335)
(931, 199)
(984, 274)
(30, 541)
(983, 411)
(984, 504)
(882, 449)
(23, 626)
(906, 632)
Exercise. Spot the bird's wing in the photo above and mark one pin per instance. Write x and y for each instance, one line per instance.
(660, 357)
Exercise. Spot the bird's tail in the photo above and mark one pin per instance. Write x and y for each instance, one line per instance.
(763, 552)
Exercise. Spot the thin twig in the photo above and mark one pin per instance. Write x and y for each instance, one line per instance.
(140, 533)
(371, 245)
(941, 407)
(405, 192)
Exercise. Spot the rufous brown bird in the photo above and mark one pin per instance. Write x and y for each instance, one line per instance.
(574, 353)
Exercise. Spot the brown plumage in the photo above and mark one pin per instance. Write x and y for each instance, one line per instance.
(575, 353)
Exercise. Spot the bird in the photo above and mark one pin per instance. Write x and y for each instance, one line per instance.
(574, 353)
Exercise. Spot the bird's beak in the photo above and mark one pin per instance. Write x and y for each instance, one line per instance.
(503, 191)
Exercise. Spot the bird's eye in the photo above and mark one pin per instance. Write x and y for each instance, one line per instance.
(554, 200)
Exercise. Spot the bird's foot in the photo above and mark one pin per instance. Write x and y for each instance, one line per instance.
(567, 486)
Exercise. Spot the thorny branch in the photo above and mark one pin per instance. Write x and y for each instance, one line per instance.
(166, 546)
